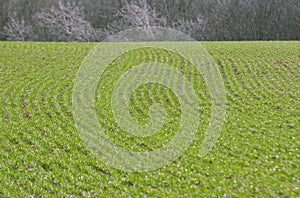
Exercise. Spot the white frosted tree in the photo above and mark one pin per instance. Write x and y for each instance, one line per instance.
(138, 14)
(17, 29)
(66, 23)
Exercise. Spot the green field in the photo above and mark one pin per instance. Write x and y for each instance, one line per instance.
(258, 153)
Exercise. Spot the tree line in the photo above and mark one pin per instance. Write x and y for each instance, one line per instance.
(204, 20)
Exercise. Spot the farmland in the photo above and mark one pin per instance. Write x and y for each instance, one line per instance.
(257, 154)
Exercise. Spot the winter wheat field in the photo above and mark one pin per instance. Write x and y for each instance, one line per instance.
(245, 143)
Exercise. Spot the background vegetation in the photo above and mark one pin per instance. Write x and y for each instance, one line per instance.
(93, 20)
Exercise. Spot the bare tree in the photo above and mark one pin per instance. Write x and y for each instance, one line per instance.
(66, 23)
(138, 14)
(195, 28)
(17, 29)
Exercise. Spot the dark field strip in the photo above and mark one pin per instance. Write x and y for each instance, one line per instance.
(258, 153)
